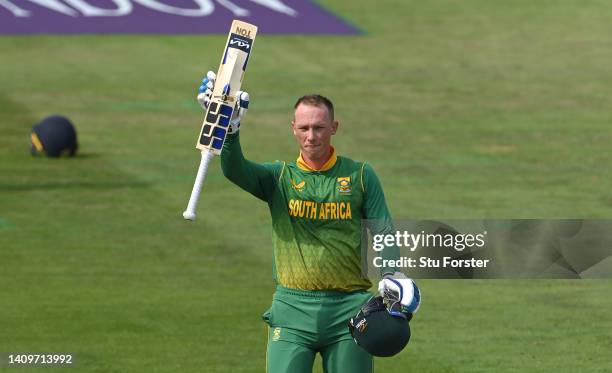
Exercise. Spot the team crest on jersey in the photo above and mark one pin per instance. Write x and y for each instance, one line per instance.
(298, 186)
(344, 185)
(276, 334)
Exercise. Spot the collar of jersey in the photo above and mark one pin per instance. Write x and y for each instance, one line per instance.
(331, 162)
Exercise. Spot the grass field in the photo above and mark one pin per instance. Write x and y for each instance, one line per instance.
(466, 109)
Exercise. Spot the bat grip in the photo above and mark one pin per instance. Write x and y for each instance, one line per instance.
(190, 213)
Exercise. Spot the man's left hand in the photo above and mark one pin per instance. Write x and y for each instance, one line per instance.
(397, 287)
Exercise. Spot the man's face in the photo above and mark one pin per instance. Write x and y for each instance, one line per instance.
(313, 129)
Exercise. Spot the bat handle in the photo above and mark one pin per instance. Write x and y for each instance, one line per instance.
(190, 213)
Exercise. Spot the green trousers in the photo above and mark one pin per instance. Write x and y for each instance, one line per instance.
(304, 323)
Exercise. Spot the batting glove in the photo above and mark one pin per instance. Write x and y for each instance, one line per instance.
(400, 293)
(204, 97)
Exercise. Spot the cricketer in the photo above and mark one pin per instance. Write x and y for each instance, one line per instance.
(316, 203)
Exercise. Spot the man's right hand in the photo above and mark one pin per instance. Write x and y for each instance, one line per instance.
(205, 90)
(204, 97)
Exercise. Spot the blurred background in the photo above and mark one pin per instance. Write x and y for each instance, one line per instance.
(465, 109)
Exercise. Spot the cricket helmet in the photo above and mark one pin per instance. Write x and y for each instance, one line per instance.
(377, 331)
(54, 136)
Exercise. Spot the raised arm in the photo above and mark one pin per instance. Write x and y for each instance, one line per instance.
(259, 179)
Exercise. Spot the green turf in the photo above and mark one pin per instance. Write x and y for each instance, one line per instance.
(466, 109)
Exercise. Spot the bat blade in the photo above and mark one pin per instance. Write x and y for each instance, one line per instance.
(229, 80)
(219, 113)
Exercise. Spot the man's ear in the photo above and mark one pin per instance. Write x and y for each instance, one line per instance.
(293, 127)
(335, 125)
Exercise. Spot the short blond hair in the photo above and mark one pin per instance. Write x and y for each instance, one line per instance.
(316, 100)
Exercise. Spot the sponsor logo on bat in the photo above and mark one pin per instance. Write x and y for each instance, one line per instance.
(239, 42)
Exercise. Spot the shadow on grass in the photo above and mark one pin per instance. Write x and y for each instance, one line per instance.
(79, 156)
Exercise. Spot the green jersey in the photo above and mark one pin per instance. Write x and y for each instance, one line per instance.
(316, 215)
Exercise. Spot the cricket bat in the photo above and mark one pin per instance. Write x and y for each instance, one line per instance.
(217, 118)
